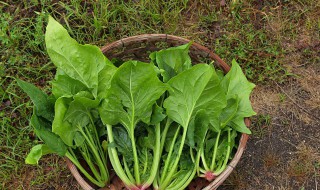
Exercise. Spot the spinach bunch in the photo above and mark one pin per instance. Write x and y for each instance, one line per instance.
(68, 121)
(161, 123)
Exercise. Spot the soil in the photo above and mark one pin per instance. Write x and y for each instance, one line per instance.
(284, 150)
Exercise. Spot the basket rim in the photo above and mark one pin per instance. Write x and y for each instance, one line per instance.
(197, 47)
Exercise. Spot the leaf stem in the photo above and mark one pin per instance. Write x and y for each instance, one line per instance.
(115, 161)
(175, 165)
(135, 157)
(83, 171)
(167, 162)
(102, 167)
(156, 158)
(213, 161)
(224, 165)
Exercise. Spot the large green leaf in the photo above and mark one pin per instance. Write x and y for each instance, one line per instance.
(36, 153)
(60, 126)
(172, 61)
(134, 89)
(236, 83)
(80, 62)
(43, 107)
(53, 141)
(195, 89)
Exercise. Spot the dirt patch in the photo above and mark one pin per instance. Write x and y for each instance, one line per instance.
(284, 150)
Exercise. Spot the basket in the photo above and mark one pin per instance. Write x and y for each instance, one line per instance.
(138, 48)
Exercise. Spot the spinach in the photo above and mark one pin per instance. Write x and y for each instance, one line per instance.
(161, 123)
(68, 126)
(133, 92)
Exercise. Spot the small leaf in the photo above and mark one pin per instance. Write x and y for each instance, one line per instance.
(36, 153)
(239, 125)
(157, 115)
(172, 61)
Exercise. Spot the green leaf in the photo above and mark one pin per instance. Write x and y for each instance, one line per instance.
(235, 83)
(36, 153)
(229, 111)
(202, 122)
(63, 85)
(123, 143)
(105, 76)
(134, 89)
(195, 89)
(43, 106)
(79, 110)
(60, 126)
(239, 125)
(157, 115)
(173, 60)
(53, 141)
(80, 62)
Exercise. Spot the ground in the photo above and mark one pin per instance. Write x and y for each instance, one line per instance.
(277, 44)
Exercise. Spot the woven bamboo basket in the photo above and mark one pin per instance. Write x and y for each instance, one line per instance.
(138, 48)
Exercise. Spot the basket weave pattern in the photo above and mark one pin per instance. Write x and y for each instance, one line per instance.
(138, 48)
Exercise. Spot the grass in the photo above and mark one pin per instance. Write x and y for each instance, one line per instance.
(260, 35)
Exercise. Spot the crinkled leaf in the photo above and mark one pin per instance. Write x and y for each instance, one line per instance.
(36, 153)
(157, 115)
(148, 140)
(172, 61)
(123, 143)
(134, 89)
(43, 107)
(145, 159)
(80, 62)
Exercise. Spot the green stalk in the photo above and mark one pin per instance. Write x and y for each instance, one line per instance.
(224, 165)
(114, 159)
(184, 181)
(135, 157)
(204, 162)
(156, 159)
(83, 171)
(98, 142)
(175, 165)
(164, 134)
(96, 155)
(167, 162)
(215, 152)
(85, 154)
(127, 170)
